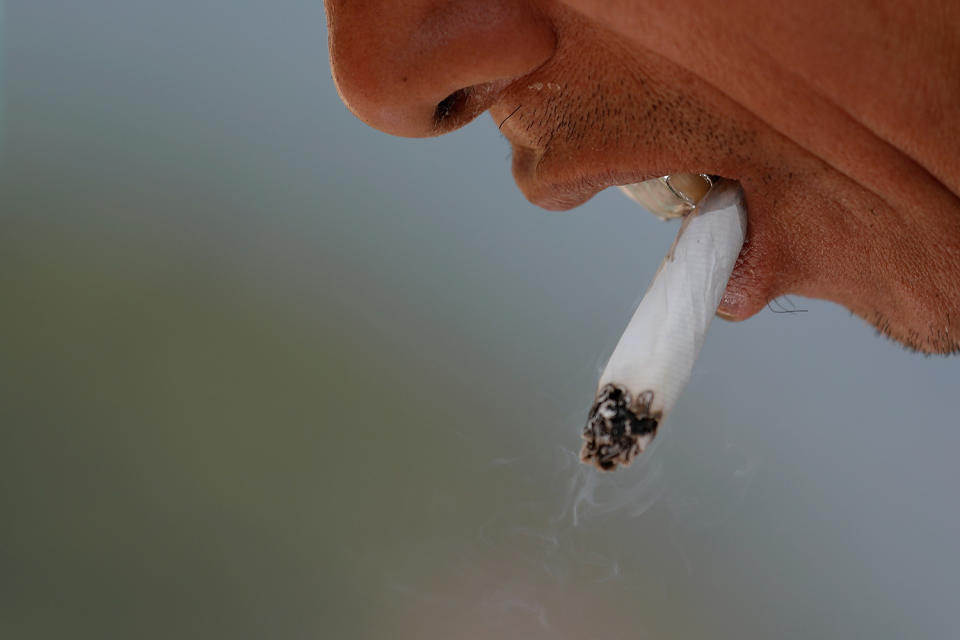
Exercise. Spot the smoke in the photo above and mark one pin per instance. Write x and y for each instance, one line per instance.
(591, 494)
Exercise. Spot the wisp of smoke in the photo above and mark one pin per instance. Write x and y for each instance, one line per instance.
(590, 494)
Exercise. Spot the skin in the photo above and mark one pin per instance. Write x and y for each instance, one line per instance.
(841, 121)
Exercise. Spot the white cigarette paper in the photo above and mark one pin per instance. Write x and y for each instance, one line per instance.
(654, 358)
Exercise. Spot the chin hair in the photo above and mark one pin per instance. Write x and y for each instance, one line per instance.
(935, 341)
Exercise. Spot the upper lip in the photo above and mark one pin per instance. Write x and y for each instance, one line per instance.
(564, 183)
(567, 194)
(571, 186)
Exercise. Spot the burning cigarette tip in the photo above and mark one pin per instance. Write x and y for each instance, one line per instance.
(619, 427)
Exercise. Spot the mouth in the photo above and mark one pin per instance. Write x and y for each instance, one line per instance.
(557, 180)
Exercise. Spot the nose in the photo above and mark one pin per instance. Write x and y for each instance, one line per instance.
(423, 67)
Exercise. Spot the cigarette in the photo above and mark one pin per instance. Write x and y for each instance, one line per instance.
(654, 358)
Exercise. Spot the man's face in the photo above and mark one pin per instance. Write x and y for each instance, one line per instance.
(840, 121)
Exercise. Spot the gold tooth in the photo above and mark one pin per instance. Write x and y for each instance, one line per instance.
(671, 196)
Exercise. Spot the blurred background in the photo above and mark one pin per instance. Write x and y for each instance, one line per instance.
(265, 372)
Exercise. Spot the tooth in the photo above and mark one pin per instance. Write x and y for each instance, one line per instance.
(654, 358)
(671, 196)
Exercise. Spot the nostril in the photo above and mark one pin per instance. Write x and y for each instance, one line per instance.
(450, 106)
(394, 62)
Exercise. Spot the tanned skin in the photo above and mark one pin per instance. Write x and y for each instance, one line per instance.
(840, 120)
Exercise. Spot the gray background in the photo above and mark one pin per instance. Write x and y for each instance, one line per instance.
(267, 373)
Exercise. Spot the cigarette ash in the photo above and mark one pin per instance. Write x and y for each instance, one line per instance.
(618, 428)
